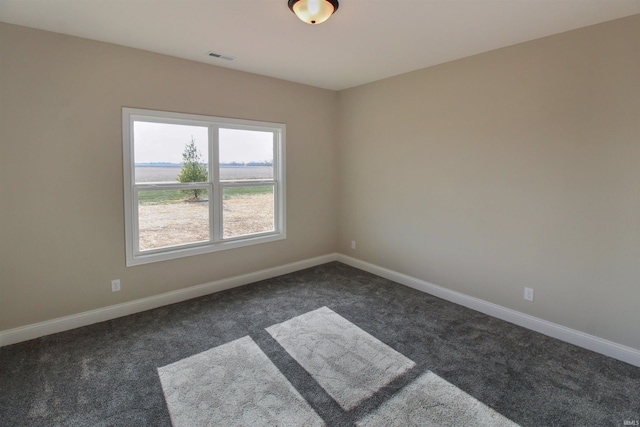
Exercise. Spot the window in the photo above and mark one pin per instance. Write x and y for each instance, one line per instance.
(196, 184)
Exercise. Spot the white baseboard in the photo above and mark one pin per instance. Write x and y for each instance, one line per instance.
(28, 332)
(581, 339)
(572, 336)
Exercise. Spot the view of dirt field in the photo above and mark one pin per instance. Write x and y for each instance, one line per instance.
(165, 220)
(169, 224)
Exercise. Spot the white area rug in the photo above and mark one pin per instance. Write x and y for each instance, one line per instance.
(234, 384)
(430, 401)
(350, 364)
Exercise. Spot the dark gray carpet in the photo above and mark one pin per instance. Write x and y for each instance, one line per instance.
(106, 374)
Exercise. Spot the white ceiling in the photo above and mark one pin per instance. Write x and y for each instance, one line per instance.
(366, 40)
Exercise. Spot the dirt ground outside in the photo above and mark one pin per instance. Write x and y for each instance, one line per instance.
(162, 225)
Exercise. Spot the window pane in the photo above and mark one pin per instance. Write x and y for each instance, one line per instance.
(160, 150)
(247, 210)
(245, 154)
(172, 217)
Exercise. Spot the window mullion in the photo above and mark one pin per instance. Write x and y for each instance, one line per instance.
(216, 198)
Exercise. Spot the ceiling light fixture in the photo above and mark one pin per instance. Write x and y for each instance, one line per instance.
(313, 11)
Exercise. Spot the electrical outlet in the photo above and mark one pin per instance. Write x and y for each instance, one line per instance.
(115, 285)
(353, 244)
(528, 294)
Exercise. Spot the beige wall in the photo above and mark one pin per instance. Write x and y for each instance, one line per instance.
(518, 167)
(61, 183)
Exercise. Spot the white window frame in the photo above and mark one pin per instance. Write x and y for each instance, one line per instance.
(214, 186)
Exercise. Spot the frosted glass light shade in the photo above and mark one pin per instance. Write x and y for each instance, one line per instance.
(313, 11)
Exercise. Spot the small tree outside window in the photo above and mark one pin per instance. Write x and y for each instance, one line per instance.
(192, 168)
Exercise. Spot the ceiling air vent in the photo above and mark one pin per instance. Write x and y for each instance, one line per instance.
(221, 56)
